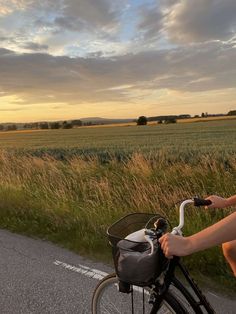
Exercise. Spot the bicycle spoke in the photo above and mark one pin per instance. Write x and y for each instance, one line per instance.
(108, 300)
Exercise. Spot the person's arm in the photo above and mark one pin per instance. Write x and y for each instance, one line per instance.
(220, 202)
(222, 231)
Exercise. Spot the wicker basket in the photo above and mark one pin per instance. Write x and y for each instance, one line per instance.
(132, 260)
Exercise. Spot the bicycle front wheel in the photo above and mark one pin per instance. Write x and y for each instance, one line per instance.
(108, 300)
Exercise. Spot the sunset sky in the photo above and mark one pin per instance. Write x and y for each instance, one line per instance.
(69, 59)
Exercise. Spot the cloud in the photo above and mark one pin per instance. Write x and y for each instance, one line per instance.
(9, 6)
(93, 16)
(93, 13)
(184, 22)
(61, 25)
(73, 27)
(4, 52)
(34, 46)
(100, 63)
(43, 78)
(205, 20)
(151, 21)
(11, 109)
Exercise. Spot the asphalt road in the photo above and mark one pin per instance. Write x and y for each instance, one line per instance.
(39, 277)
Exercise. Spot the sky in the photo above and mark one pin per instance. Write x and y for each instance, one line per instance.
(70, 59)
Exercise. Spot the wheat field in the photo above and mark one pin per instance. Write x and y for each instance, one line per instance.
(70, 194)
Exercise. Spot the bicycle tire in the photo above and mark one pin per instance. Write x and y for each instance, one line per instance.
(108, 300)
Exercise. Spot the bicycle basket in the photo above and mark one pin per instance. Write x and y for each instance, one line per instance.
(132, 260)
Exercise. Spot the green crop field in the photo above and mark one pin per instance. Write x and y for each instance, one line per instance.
(182, 138)
(68, 186)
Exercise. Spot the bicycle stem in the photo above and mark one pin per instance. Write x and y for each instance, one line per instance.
(177, 230)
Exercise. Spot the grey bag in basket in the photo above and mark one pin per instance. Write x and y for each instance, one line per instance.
(135, 265)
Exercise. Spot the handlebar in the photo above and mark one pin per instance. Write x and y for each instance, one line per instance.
(196, 202)
(160, 225)
(201, 202)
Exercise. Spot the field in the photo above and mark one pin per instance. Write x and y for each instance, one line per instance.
(69, 185)
(187, 139)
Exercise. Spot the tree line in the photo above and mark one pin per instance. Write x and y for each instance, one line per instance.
(43, 125)
(143, 120)
(47, 125)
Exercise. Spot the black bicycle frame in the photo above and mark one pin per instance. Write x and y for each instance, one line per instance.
(202, 299)
(170, 278)
(161, 289)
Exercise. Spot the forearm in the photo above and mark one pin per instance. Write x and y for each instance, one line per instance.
(221, 232)
(231, 201)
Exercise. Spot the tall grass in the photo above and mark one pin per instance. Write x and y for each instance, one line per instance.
(73, 202)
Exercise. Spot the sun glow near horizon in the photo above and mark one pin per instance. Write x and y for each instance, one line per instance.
(115, 60)
(175, 103)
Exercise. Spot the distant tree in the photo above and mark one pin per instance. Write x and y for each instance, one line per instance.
(204, 114)
(54, 125)
(231, 113)
(11, 127)
(76, 122)
(28, 126)
(1, 127)
(43, 125)
(88, 123)
(196, 116)
(184, 116)
(66, 125)
(142, 120)
(159, 122)
(170, 120)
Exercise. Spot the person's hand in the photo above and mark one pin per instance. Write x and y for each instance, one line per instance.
(175, 245)
(217, 201)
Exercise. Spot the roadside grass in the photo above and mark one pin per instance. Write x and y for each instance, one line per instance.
(73, 201)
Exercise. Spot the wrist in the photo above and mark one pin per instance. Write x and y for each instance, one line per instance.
(190, 246)
(230, 201)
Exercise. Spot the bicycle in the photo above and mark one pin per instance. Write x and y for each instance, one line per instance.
(161, 293)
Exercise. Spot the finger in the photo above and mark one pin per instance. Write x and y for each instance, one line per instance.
(163, 247)
(167, 254)
(163, 238)
(164, 244)
(166, 250)
(211, 205)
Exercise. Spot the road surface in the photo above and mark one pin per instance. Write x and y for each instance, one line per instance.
(40, 277)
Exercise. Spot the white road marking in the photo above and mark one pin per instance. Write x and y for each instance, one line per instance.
(87, 271)
(215, 295)
(92, 273)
